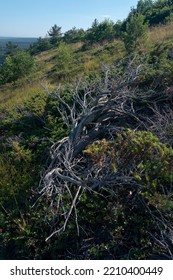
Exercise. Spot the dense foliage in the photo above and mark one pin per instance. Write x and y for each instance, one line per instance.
(155, 12)
(74, 35)
(135, 32)
(15, 66)
(100, 32)
(42, 44)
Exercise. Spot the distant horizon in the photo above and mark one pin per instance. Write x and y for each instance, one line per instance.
(17, 37)
(33, 19)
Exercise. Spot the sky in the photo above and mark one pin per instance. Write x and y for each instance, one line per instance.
(33, 18)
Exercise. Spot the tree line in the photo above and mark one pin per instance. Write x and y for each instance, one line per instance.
(147, 13)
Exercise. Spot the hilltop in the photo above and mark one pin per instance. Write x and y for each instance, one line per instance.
(86, 131)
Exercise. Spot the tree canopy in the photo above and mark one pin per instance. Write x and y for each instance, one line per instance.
(100, 32)
(74, 35)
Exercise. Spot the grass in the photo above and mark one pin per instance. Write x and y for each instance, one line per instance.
(83, 62)
(159, 34)
(13, 96)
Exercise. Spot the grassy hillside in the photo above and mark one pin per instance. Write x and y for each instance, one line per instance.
(113, 199)
(51, 70)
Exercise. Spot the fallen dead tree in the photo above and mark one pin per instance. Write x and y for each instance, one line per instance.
(97, 110)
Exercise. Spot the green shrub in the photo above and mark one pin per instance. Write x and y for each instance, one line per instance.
(142, 157)
(135, 32)
(16, 66)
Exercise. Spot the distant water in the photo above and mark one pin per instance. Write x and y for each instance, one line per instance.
(23, 43)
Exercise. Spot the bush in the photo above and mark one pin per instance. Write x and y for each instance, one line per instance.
(42, 44)
(135, 32)
(100, 32)
(16, 66)
(142, 194)
(141, 157)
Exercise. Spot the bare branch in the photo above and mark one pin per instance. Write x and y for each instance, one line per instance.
(95, 111)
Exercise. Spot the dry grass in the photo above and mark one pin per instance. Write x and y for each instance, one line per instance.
(90, 65)
(160, 33)
(46, 56)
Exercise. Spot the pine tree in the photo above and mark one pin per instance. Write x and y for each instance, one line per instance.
(135, 32)
(55, 34)
(144, 5)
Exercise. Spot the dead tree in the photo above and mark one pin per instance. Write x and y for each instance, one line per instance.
(98, 109)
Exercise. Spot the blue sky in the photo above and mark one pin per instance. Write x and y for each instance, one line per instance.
(33, 18)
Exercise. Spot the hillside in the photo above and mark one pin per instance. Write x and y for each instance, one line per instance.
(51, 71)
(86, 153)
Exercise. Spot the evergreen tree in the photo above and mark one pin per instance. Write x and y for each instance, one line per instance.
(143, 6)
(155, 12)
(100, 32)
(135, 31)
(91, 33)
(55, 34)
(64, 57)
(42, 44)
(105, 31)
(118, 29)
(74, 35)
(11, 48)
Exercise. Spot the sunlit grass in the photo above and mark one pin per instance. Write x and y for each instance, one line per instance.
(47, 76)
(160, 33)
(13, 96)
